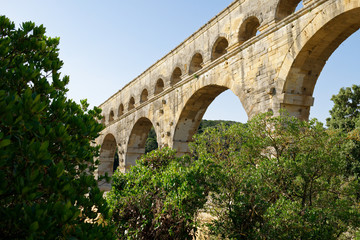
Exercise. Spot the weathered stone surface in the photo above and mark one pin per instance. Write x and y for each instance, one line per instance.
(274, 69)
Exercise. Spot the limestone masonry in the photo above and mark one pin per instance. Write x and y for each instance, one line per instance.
(267, 55)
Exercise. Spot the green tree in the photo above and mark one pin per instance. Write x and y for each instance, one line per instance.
(345, 115)
(159, 198)
(48, 190)
(279, 178)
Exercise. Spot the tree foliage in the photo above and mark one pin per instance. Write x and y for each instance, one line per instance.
(48, 190)
(159, 198)
(204, 124)
(272, 178)
(345, 116)
(279, 178)
(151, 141)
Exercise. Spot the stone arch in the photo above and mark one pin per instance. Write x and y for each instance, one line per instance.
(248, 29)
(219, 48)
(192, 114)
(106, 159)
(131, 103)
(176, 76)
(285, 8)
(121, 110)
(306, 59)
(144, 96)
(159, 87)
(196, 63)
(111, 116)
(137, 140)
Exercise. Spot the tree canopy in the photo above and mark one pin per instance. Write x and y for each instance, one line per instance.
(279, 178)
(272, 178)
(159, 197)
(345, 116)
(48, 190)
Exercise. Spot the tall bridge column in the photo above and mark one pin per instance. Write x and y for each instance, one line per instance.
(107, 154)
(105, 167)
(132, 155)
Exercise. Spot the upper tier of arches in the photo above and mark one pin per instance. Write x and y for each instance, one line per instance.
(189, 63)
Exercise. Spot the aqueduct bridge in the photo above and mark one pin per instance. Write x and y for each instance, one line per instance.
(267, 54)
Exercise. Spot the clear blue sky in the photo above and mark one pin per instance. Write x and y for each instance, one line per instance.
(106, 44)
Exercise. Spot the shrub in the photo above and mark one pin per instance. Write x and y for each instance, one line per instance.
(279, 178)
(159, 197)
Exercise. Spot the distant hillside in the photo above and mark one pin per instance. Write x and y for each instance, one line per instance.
(212, 123)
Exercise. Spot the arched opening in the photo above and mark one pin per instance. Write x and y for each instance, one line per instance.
(195, 64)
(286, 8)
(121, 110)
(111, 116)
(226, 106)
(106, 159)
(341, 70)
(159, 87)
(137, 141)
(310, 60)
(176, 76)
(219, 48)
(193, 112)
(144, 96)
(248, 29)
(131, 103)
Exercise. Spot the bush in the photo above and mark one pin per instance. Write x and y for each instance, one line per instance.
(159, 198)
(345, 116)
(48, 190)
(279, 178)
